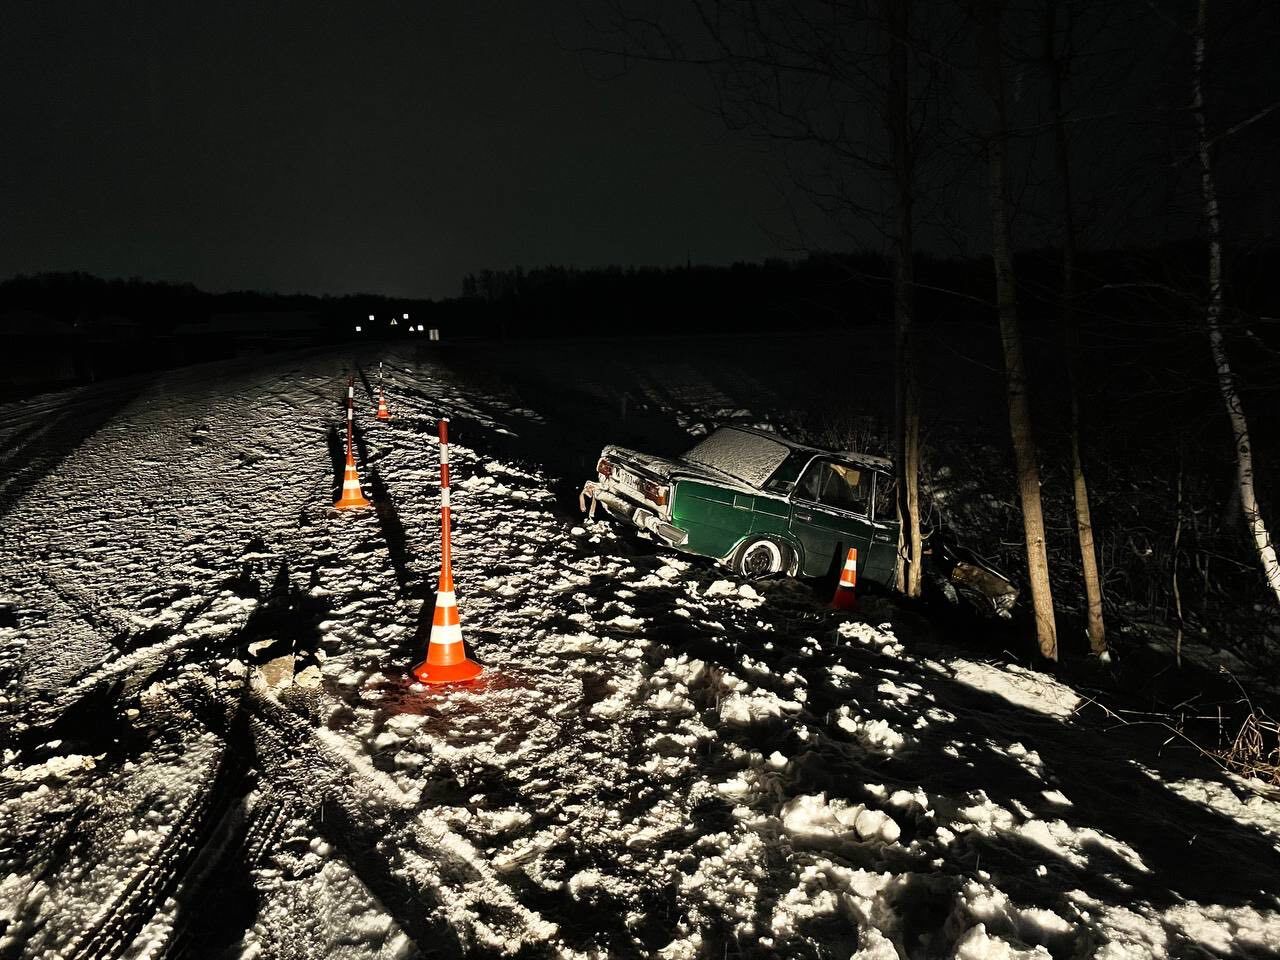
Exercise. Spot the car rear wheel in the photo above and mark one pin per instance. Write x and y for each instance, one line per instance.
(758, 558)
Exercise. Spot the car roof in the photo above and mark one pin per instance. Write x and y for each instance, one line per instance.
(866, 459)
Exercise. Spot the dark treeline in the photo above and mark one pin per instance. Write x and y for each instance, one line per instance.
(65, 328)
(1138, 298)
(80, 298)
(832, 291)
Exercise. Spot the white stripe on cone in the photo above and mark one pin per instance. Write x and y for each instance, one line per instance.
(446, 598)
(850, 572)
(446, 635)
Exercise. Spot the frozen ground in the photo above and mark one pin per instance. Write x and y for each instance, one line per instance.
(212, 747)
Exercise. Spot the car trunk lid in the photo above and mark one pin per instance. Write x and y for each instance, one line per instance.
(641, 477)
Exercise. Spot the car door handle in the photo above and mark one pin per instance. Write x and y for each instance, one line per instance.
(883, 539)
(803, 516)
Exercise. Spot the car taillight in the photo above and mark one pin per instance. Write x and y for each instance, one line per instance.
(654, 492)
(604, 468)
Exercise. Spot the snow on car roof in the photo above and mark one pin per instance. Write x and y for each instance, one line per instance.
(753, 455)
(746, 454)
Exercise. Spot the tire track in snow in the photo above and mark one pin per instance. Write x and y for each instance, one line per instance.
(444, 892)
(185, 713)
(135, 666)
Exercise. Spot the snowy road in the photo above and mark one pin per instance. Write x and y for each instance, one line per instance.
(659, 760)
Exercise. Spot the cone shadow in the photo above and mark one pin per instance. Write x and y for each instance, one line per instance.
(416, 648)
(392, 531)
(338, 456)
(364, 380)
(357, 441)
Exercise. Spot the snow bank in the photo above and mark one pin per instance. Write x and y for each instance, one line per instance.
(1021, 687)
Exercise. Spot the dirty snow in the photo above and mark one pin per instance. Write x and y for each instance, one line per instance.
(659, 760)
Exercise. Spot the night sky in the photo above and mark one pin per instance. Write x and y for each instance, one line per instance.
(338, 147)
(396, 147)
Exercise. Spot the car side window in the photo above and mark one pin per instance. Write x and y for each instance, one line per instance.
(810, 483)
(835, 484)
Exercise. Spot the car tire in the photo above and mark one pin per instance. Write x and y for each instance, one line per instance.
(758, 558)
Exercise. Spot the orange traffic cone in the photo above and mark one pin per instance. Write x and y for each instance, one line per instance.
(383, 412)
(352, 496)
(446, 660)
(846, 597)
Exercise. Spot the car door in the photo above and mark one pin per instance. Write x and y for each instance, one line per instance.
(881, 566)
(830, 512)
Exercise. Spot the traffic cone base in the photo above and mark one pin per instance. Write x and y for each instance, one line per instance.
(446, 660)
(352, 496)
(846, 597)
(450, 673)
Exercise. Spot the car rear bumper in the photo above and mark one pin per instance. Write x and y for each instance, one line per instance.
(619, 506)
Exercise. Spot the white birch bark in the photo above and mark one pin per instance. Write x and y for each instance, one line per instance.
(1227, 385)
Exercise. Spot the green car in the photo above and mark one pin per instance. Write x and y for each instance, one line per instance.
(758, 503)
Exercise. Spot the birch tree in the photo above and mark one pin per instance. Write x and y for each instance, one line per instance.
(1027, 467)
(897, 17)
(1057, 66)
(1227, 385)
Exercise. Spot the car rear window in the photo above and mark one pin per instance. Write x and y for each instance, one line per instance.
(783, 479)
(747, 456)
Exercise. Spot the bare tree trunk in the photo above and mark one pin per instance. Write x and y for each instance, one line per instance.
(1217, 345)
(1024, 451)
(1095, 627)
(1177, 591)
(907, 394)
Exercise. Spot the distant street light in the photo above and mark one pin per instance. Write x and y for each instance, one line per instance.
(359, 328)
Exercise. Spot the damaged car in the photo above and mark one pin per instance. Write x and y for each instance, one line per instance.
(758, 503)
(762, 504)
